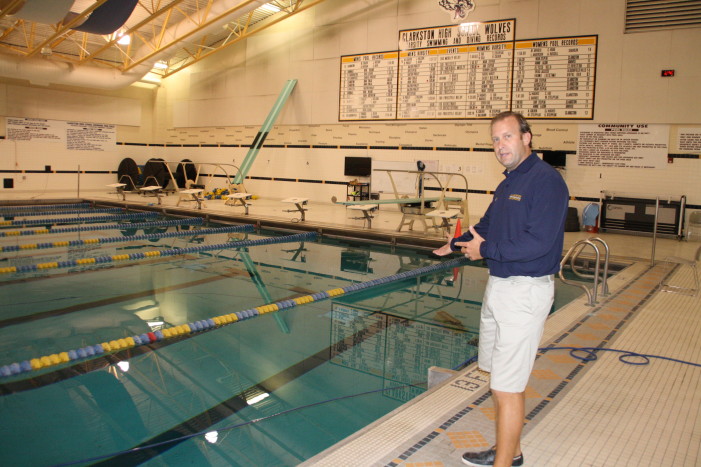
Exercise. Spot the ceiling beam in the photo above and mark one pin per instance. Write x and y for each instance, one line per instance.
(300, 6)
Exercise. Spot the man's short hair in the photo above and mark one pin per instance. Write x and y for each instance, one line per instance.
(523, 124)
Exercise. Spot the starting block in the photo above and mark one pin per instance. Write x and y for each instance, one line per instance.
(367, 209)
(155, 190)
(119, 189)
(239, 199)
(445, 215)
(299, 204)
(192, 194)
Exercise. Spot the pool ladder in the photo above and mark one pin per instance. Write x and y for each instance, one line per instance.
(573, 254)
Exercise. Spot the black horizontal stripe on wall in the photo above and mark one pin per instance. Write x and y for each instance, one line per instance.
(683, 156)
(449, 148)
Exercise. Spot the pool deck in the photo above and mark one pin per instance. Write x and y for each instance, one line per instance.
(579, 413)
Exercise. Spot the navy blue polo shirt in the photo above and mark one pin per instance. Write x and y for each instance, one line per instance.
(524, 225)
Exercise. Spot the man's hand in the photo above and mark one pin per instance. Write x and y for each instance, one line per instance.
(445, 249)
(471, 249)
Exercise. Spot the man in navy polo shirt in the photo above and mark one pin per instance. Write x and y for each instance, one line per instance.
(521, 237)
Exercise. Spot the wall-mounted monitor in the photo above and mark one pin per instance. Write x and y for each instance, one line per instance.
(557, 159)
(358, 166)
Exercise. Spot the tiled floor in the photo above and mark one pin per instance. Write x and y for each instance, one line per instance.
(579, 413)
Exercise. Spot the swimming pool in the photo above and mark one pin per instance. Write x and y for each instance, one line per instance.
(274, 388)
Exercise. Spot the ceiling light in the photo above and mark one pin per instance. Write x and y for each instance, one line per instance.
(161, 65)
(124, 39)
(270, 8)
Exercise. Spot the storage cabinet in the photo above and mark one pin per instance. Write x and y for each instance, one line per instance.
(358, 192)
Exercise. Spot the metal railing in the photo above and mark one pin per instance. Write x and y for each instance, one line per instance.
(573, 254)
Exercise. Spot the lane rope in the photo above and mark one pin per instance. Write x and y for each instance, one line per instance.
(88, 228)
(153, 254)
(78, 220)
(155, 236)
(39, 207)
(67, 211)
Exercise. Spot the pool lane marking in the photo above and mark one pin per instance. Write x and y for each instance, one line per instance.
(229, 407)
(113, 300)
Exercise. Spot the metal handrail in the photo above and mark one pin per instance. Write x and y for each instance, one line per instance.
(604, 276)
(198, 165)
(572, 256)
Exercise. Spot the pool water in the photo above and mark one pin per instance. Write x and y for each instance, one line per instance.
(271, 390)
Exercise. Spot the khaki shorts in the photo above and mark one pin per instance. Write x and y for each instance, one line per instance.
(513, 315)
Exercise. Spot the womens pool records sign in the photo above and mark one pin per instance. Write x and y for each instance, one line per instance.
(471, 71)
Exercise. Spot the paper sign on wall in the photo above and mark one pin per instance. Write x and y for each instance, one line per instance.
(628, 145)
(78, 136)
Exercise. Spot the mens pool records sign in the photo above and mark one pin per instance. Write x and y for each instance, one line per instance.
(451, 72)
(471, 71)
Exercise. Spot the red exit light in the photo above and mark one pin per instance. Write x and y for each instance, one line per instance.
(667, 73)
